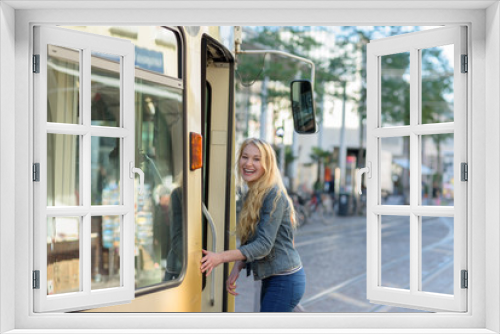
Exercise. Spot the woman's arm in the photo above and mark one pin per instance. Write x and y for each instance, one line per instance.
(233, 277)
(211, 260)
(267, 228)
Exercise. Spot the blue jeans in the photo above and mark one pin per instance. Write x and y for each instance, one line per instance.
(283, 292)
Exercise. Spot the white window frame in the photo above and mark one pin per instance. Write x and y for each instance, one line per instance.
(85, 43)
(415, 297)
(482, 316)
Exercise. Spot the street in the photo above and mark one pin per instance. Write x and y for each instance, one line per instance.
(333, 252)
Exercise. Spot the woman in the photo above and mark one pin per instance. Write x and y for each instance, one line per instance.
(265, 229)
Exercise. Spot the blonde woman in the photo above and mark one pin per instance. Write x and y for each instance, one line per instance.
(265, 229)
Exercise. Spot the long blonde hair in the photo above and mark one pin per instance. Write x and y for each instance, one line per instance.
(250, 213)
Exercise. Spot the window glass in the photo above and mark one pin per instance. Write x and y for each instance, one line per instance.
(395, 245)
(395, 170)
(166, 45)
(105, 241)
(63, 85)
(437, 254)
(63, 255)
(159, 153)
(437, 174)
(105, 171)
(63, 170)
(106, 97)
(437, 66)
(395, 89)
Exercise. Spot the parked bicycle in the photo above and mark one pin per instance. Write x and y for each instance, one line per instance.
(320, 208)
(301, 211)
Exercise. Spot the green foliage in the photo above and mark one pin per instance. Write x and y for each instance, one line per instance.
(318, 155)
(254, 67)
(347, 62)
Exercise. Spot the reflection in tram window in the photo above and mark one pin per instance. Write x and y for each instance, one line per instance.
(159, 153)
(175, 254)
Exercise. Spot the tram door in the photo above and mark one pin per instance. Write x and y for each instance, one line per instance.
(217, 185)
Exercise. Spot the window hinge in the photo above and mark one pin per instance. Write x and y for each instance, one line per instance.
(36, 279)
(36, 63)
(465, 64)
(36, 172)
(465, 279)
(464, 167)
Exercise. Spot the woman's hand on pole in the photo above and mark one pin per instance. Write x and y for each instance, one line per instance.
(209, 261)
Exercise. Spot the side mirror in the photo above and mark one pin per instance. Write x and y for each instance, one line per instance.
(303, 111)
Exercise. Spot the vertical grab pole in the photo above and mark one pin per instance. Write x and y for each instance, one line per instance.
(214, 249)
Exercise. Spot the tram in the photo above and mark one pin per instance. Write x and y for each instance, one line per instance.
(138, 128)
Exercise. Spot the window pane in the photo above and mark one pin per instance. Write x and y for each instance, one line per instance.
(105, 252)
(166, 54)
(63, 170)
(437, 84)
(106, 96)
(63, 85)
(395, 242)
(159, 219)
(437, 254)
(395, 170)
(63, 255)
(106, 171)
(395, 89)
(437, 170)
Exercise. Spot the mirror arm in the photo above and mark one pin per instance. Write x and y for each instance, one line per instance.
(285, 54)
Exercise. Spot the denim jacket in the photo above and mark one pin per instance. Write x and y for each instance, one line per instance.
(270, 249)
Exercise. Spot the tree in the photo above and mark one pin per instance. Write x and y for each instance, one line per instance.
(321, 158)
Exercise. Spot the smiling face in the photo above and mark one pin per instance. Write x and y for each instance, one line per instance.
(251, 168)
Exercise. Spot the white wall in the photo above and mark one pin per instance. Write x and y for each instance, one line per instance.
(7, 159)
(492, 154)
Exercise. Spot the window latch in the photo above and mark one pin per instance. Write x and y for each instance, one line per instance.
(132, 171)
(359, 173)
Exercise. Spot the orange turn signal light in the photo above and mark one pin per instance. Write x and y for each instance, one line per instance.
(196, 150)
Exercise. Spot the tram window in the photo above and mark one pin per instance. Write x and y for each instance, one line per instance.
(156, 48)
(159, 248)
(159, 153)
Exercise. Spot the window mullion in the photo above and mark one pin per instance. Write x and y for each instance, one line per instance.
(85, 91)
(86, 254)
(414, 170)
